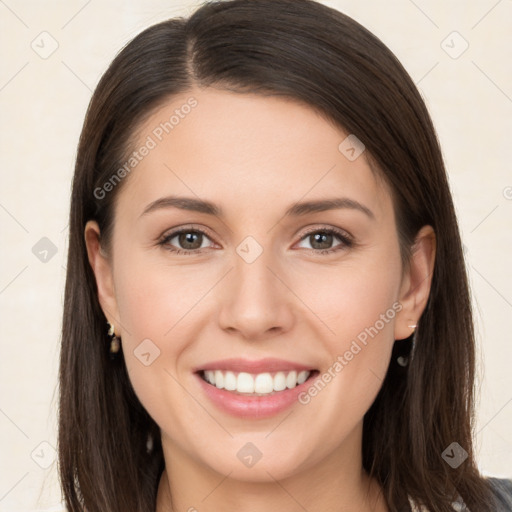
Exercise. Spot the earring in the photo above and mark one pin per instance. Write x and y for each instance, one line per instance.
(404, 361)
(149, 444)
(413, 341)
(115, 342)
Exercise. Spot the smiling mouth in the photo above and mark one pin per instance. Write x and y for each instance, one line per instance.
(260, 384)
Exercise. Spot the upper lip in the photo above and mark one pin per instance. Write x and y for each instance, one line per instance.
(253, 366)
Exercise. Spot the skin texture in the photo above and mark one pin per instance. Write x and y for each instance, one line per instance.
(256, 156)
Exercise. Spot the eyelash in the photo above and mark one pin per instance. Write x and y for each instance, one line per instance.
(347, 241)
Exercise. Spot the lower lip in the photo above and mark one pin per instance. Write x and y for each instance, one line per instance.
(253, 407)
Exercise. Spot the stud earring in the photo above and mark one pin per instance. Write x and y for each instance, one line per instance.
(115, 342)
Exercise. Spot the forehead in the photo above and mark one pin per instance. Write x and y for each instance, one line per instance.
(247, 151)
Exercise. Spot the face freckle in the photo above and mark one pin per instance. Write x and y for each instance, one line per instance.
(257, 285)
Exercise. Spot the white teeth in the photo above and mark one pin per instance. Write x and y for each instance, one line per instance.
(262, 383)
(219, 379)
(291, 380)
(244, 383)
(229, 381)
(302, 377)
(279, 381)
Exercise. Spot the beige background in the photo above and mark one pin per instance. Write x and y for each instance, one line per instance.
(43, 101)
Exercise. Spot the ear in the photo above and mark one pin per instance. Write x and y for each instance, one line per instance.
(102, 268)
(416, 282)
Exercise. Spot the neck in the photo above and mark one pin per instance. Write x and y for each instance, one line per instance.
(335, 484)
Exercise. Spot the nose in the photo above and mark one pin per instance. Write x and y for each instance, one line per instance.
(256, 302)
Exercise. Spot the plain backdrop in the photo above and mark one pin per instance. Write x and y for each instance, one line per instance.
(459, 53)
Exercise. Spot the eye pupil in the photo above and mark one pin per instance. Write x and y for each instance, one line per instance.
(327, 240)
(188, 238)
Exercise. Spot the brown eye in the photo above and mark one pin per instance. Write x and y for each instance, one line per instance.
(187, 241)
(321, 240)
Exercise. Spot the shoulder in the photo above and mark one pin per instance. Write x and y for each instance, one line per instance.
(502, 491)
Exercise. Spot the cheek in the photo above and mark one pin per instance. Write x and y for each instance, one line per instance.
(358, 306)
(156, 300)
(365, 311)
(153, 302)
(356, 300)
(160, 309)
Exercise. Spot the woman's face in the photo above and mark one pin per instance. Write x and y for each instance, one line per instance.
(269, 284)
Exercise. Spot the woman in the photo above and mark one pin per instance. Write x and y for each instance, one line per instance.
(212, 361)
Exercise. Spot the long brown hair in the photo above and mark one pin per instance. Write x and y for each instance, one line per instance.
(303, 50)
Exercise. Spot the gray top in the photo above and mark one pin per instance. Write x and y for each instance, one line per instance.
(502, 492)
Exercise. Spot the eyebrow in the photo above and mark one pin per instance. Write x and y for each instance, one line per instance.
(296, 210)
